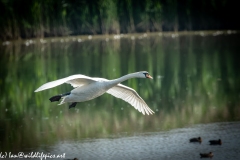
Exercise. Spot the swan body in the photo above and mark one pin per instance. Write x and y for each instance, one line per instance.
(87, 88)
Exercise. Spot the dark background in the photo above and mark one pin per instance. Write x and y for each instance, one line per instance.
(44, 18)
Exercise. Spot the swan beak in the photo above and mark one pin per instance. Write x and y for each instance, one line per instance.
(148, 76)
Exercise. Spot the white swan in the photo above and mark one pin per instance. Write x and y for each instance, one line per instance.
(87, 88)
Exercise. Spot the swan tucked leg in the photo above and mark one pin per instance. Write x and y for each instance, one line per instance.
(58, 97)
(72, 105)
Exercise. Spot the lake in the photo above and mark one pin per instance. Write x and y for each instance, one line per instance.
(196, 84)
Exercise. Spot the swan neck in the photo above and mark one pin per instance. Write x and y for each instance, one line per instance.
(126, 77)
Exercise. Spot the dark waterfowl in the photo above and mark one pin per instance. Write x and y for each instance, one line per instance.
(206, 155)
(215, 142)
(199, 139)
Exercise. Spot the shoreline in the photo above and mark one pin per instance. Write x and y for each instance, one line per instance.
(108, 37)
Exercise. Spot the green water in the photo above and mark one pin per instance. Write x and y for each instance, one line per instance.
(196, 80)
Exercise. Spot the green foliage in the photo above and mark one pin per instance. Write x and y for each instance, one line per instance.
(37, 18)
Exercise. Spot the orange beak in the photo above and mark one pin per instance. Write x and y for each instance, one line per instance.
(148, 76)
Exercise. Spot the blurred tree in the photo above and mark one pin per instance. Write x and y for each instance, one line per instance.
(37, 18)
(109, 16)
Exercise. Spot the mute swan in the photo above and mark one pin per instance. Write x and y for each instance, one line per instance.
(87, 88)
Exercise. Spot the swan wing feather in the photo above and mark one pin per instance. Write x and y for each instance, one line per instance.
(75, 80)
(131, 96)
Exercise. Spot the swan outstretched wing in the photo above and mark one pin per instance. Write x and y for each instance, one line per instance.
(75, 80)
(131, 96)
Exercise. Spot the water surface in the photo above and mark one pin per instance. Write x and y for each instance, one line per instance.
(196, 80)
(172, 144)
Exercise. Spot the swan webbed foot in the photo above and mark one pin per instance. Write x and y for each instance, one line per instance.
(58, 97)
(72, 105)
(55, 98)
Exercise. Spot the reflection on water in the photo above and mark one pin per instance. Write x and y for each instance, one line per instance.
(200, 84)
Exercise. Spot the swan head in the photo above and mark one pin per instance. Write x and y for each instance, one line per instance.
(144, 74)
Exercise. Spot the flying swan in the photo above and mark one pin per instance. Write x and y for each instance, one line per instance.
(87, 88)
